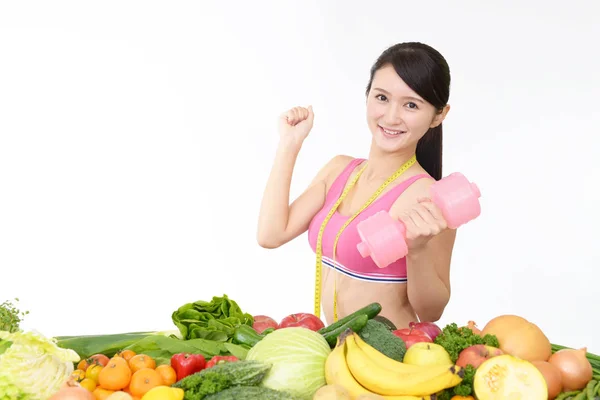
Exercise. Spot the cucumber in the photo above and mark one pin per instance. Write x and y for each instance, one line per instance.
(356, 325)
(251, 393)
(371, 311)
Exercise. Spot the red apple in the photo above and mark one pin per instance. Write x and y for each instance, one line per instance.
(262, 322)
(412, 336)
(304, 320)
(477, 354)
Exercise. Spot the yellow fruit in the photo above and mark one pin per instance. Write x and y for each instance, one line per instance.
(423, 353)
(508, 377)
(519, 337)
(423, 381)
(93, 372)
(332, 392)
(88, 384)
(337, 372)
(163, 393)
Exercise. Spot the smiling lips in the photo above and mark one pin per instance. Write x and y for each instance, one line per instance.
(391, 131)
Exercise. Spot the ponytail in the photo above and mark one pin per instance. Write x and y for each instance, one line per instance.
(429, 152)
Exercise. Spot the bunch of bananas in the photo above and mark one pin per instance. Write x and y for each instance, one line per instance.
(361, 370)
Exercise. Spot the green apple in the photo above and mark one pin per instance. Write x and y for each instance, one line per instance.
(424, 353)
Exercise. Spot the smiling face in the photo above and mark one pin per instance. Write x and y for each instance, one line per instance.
(397, 116)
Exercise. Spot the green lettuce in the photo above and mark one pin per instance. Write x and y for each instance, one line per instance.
(210, 320)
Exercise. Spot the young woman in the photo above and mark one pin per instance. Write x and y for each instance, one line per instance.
(407, 100)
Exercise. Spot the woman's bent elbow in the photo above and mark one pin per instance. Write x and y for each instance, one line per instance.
(268, 242)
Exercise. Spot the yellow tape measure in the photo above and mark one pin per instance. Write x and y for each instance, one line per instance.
(319, 249)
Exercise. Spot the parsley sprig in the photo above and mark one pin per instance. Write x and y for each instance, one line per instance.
(10, 316)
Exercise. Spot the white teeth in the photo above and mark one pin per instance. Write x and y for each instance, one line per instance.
(392, 132)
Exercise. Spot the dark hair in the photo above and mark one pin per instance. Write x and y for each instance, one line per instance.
(426, 72)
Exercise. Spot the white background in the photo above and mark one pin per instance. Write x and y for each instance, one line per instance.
(136, 139)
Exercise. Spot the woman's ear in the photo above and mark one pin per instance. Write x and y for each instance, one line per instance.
(440, 116)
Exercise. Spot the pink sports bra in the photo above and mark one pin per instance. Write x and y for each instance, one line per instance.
(348, 260)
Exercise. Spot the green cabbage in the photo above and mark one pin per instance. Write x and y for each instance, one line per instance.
(32, 367)
(298, 358)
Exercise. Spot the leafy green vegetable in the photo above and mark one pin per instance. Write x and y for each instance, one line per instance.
(465, 388)
(32, 367)
(159, 345)
(10, 316)
(197, 386)
(162, 348)
(455, 340)
(222, 376)
(297, 356)
(215, 320)
(109, 344)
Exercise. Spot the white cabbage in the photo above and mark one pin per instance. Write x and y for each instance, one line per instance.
(32, 367)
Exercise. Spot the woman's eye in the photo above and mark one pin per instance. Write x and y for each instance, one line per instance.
(412, 105)
(381, 97)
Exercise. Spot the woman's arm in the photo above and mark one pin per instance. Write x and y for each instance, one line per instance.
(430, 244)
(428, 270)
(279, 222)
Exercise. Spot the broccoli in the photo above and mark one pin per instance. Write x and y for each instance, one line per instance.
(381, 338)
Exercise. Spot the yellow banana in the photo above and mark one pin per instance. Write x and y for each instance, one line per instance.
(423, 381)
(384, 361)
(337, 372)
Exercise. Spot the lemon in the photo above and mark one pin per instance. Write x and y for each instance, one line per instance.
(163, 393)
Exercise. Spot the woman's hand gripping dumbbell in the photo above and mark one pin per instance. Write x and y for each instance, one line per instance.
(384, 238)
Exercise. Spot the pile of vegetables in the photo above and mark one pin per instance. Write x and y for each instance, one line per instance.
(204, 327)
(220, 352)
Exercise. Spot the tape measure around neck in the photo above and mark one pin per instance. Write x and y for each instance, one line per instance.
(319, 247)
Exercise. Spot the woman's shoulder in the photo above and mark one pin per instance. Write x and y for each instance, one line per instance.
(419, 187)
(336, 165)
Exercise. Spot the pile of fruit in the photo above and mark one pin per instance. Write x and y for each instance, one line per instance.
(219, 352)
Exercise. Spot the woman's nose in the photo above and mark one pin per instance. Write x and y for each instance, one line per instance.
(393, 115)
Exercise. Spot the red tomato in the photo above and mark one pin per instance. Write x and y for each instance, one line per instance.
(304, 320)
(262, 322)
(412, 336)
(100, 359)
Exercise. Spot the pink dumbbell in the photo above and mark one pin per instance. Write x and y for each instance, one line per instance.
(384, 238)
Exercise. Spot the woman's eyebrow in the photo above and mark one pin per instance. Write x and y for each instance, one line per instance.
(404, 97)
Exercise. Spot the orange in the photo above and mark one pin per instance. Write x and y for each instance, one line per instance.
(102, 394)
(116, 375)
(140, 361)
(168, 374)
(144, 380)
(126, 354)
